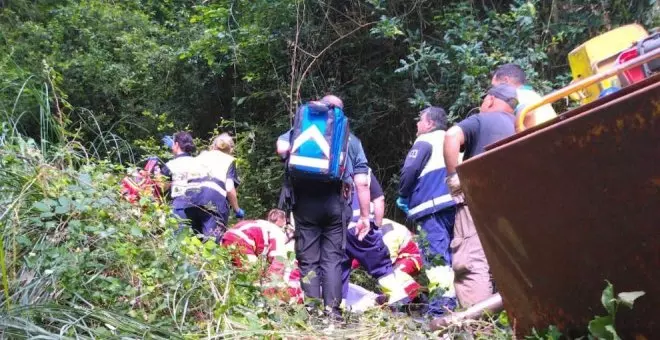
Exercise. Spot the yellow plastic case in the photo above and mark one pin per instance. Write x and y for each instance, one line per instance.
(599, 54)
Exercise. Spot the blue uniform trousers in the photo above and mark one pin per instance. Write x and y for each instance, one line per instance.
(371, 252)
(439, 230)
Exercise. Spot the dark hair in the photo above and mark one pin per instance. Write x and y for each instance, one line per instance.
(513, 72)
(185, 141)
(437, 115)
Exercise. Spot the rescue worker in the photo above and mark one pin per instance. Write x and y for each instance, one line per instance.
(179, 170)
(514, 75)
(494, 122)
(214, 188)
(259, 238)
(377, 204)
(403, 250)
(321, 212)
(404, 257)
(425, 198)
(372, 252)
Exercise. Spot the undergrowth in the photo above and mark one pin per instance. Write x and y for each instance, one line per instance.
(80, 262)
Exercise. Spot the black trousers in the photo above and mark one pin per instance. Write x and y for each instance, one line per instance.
(321, 219)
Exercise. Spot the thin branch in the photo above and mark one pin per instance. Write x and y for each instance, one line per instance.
(293, 64)
(339, 12)
(60, 116)
(308, 68)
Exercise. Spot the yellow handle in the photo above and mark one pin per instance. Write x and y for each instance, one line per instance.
(586, 82)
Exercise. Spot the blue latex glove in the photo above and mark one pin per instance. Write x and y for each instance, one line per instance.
(168, 141)
(402, 203)
(240, 213)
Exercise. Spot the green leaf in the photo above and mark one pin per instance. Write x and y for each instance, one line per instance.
(23, 240)
(628, 298)
(240, 101)
(598, 327)
(85, 179)
(135, 231)
(41, 206)
(50, 202)
(610, 329)
(62, 209)
(553, 333)
(64, 201)
(46, 215)
(607, 299)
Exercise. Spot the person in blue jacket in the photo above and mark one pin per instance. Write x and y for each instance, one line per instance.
(423, 194)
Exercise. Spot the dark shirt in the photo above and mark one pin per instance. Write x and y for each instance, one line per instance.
(357, 163)
(375, 189)
(484, 129)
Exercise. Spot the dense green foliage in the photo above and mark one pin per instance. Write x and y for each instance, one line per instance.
(88, 85)
(125, 72)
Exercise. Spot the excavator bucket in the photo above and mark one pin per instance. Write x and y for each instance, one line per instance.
(564, 206)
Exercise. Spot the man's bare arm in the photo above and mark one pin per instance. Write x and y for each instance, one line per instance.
(452, 147)
(379, 210)
(364, 197)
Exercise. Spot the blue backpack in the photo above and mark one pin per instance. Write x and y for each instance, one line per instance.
(319, 143)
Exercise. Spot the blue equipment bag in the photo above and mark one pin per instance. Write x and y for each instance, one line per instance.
(319, 143)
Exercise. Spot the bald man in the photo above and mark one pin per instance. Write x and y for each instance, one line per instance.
(321, 211)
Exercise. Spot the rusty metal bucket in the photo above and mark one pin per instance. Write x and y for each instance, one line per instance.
(562, 207)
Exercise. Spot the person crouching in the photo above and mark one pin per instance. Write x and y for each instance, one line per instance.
(255, 239)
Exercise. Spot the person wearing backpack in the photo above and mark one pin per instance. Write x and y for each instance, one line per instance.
(322, 165)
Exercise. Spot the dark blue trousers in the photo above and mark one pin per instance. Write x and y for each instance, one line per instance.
(439, 230)
(371, 252)
(202, 221)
